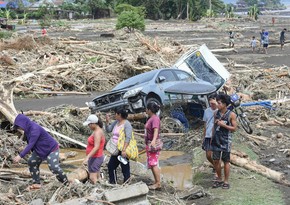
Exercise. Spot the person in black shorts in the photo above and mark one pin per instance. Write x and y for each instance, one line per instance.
(225, 124)
(208, 118)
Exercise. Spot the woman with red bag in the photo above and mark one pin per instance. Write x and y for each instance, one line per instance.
(153, 143)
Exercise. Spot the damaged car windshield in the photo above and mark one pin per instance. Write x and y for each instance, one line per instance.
(203, 71)
(138, 79)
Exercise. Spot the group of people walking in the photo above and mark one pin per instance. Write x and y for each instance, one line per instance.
(44, 147)
(264, 40)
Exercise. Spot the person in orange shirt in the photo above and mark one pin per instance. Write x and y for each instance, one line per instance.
(95, 147)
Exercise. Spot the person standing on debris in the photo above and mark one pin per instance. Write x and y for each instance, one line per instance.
(261, 38)
(282, 38)
(95, 147)
(266, 42)
(231, 39)
(120, 124)
(253, 43)
(152, 136)
(208, 118)
(43, 146)
(225, 124)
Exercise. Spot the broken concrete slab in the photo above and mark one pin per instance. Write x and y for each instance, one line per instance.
(132, 194)
(37, 202)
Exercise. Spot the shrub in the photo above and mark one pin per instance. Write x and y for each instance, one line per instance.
(130, 20)
(5, 34)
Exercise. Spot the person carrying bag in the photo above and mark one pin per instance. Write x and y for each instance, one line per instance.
(122, 135)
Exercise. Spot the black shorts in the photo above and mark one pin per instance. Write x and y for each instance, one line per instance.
(282, 41)
(206, 144)
(265, 45)
(226, 156)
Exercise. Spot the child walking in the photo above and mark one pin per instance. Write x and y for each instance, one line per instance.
(254, 44)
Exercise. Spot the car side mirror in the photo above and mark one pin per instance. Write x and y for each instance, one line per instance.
(161, 79)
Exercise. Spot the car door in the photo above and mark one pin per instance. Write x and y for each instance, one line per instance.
(204, 65)
(165, 79)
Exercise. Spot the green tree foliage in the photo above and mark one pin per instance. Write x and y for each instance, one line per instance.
(127, 7)
(130, 20)
(229, 11)
(254, 12)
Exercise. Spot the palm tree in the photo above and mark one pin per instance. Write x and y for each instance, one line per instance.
(254, 12)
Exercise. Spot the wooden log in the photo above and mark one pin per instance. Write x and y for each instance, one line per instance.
(138, 116)
(64, 156)
(7, 107)
(49, 69)
(80, 174)
(96, 52)
(66, 137)
(74, 42)
(34, 112)
(60, 93)
(23, 173)
(260, 169)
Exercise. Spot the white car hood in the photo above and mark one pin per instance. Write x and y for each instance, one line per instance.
(203, 64)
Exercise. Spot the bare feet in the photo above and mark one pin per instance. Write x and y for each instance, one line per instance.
(33, 187)
(155, 187)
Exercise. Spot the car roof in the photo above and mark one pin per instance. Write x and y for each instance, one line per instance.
(140, 78)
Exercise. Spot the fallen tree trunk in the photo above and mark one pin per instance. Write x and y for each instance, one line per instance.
(260, 169)
(7, 107)
(65, 137)
(80, 174)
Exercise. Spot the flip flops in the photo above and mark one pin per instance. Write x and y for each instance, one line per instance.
(226, 186)
(217, 184)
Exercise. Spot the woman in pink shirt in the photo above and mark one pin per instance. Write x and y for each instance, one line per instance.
(95, 147)
(152, 133)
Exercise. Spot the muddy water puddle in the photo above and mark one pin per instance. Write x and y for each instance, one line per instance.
(175, 166)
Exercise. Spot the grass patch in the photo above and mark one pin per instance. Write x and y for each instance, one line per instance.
(240, 146)
(5, 34)
(247, 188)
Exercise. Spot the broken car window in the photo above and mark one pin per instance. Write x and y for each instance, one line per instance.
(203, 71)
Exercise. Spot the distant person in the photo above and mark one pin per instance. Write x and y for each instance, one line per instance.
(231, 39)
(273, 21)
(95, 147)
(266, 41)
(262, 37)
(43, 147)
(282, 38)
(44, 31)
(253, 43)
(225, 123)
(208, 118)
